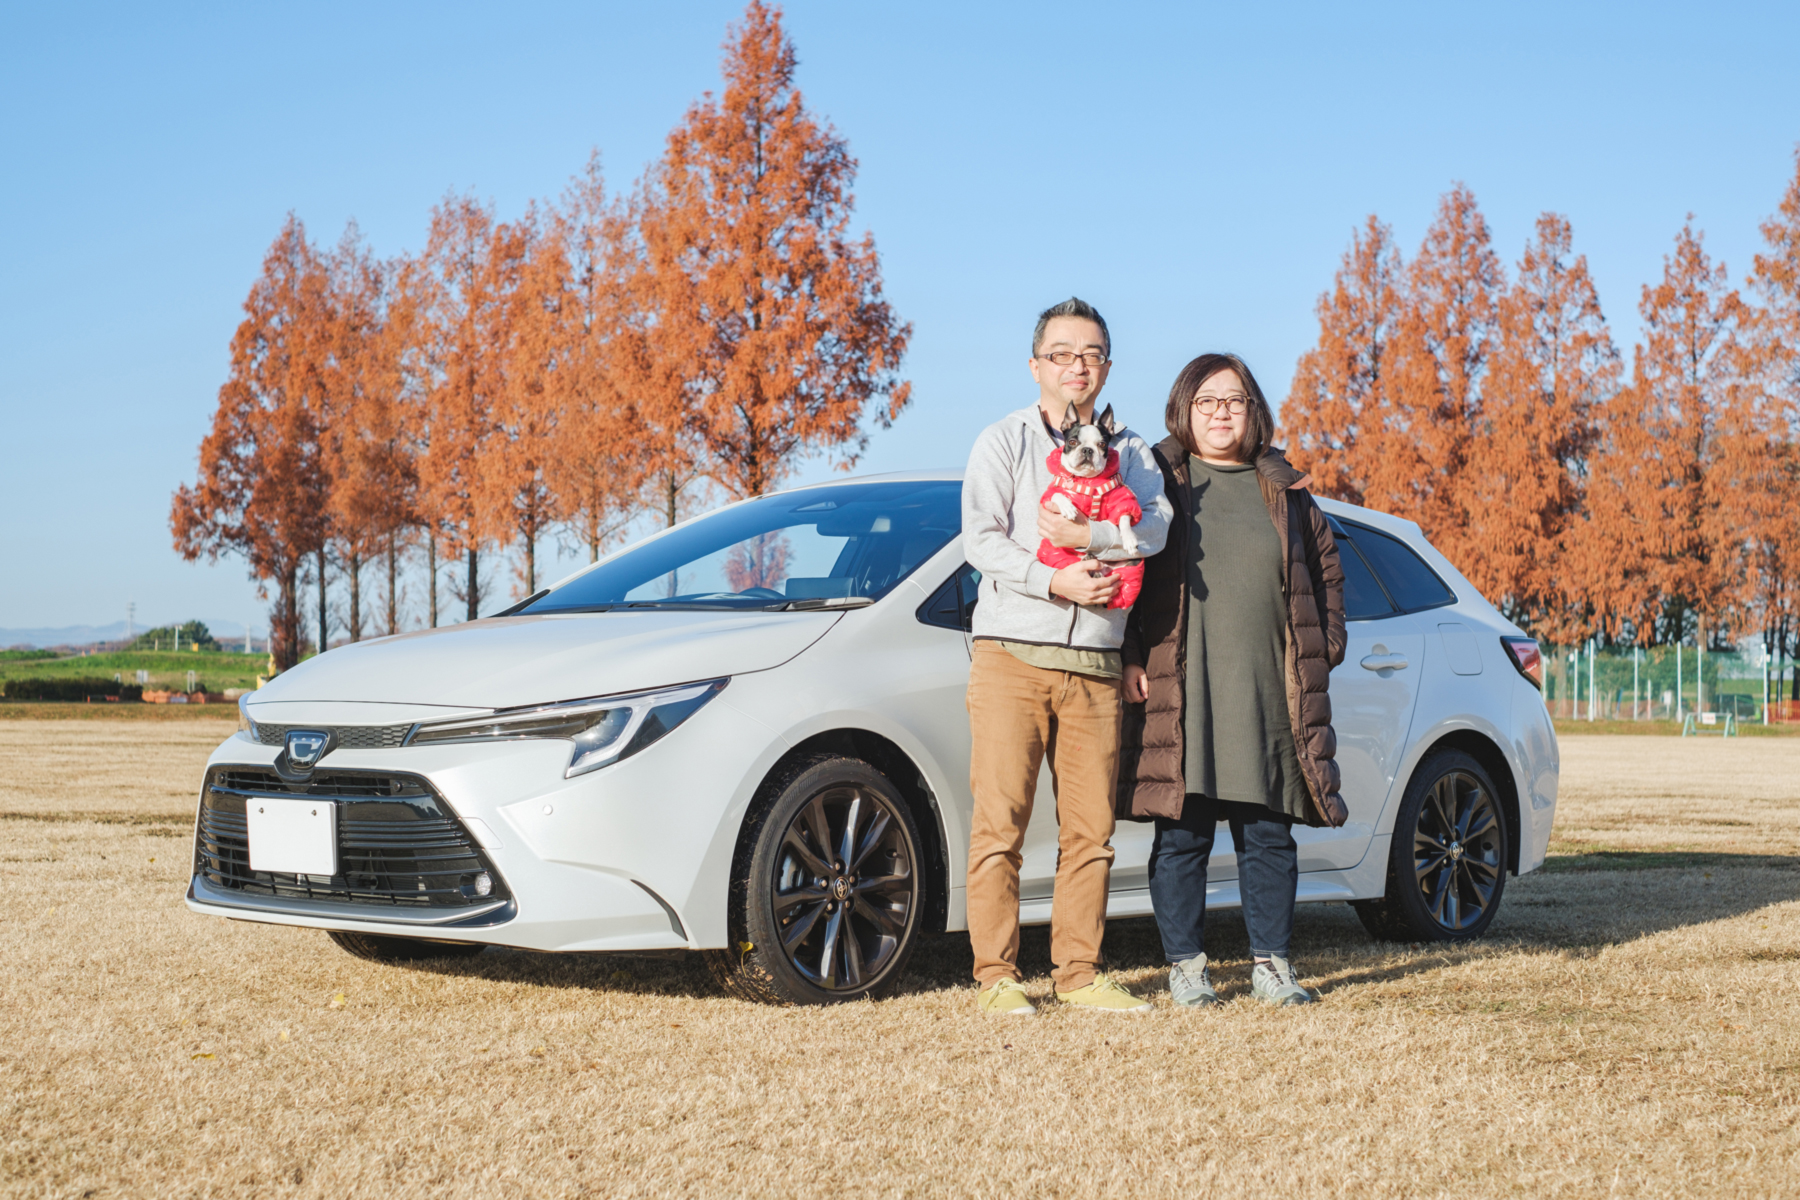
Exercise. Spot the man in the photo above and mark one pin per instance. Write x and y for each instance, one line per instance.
(1045, 676)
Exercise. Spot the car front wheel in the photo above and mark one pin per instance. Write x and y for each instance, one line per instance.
(825, 890)
(1447, 866)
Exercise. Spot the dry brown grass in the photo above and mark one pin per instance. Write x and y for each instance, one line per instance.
(1630, 1028)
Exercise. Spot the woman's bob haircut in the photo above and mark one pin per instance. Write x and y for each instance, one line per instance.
(1259, 422)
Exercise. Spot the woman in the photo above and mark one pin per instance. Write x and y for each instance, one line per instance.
(1227, 658)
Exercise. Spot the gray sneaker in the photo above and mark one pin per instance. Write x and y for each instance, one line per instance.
(1273, 983)
(1189, 985)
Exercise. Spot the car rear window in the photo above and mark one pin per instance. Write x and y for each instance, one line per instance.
(1409, 583)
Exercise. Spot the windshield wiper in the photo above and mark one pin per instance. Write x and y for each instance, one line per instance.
(818, 602)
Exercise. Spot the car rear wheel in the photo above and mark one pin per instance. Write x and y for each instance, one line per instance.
(383, 949)
(825, 890)
(1447, 866)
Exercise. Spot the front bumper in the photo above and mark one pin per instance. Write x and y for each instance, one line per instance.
(634, 856)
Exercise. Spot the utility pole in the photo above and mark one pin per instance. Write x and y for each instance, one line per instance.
(1700, 677)
(131, 621)
(1593, 646)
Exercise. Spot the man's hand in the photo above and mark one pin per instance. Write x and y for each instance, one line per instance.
(1137, 685)
(1062, 531)
(1086, 583)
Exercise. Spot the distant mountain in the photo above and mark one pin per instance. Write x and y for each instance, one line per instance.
(223, 629)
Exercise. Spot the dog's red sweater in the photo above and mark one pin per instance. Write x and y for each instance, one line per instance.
(1102, 498)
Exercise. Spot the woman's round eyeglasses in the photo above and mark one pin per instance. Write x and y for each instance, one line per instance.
(1234, 405)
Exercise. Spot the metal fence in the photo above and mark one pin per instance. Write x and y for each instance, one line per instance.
(1666, 683)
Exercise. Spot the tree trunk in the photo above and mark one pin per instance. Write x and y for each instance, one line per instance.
(530, 565)
(284, 621)
(324, 623)
(474, 599)
(431, 563)
(354, 561)
(393, 556)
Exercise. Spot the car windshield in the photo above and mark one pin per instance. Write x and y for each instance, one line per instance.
(823, 547)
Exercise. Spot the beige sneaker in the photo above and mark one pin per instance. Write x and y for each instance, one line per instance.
(1106, 996)
(1006, 998)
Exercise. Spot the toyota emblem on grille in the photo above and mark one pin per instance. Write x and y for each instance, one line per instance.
(301, 751)
(304, 746)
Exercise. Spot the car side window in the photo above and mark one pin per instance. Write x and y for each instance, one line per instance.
(969, 582)
(952, 606)
(1363, 598)
(1408, 581)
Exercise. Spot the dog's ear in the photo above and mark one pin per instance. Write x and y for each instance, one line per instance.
(1107, 425)
(1071, 419)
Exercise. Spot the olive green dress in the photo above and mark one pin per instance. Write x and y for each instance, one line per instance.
(1240, 742)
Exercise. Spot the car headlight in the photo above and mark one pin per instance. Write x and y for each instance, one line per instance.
(605, 729)
(246, 726)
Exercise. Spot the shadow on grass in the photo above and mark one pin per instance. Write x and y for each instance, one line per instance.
(1577, 902)
(1660, 860)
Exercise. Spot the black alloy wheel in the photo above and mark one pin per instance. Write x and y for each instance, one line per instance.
(1447, 865)
(381, 948)
(826, 890)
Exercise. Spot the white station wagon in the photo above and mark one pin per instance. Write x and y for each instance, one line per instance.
(746, 736)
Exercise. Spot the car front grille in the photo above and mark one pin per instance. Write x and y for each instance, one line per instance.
(399, 845)
(349, 737)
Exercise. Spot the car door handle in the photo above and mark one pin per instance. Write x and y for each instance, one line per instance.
(1384, 661)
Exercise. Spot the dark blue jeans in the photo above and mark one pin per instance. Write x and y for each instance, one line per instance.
(1268, 875)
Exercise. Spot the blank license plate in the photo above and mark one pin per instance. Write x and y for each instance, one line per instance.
(292, 837)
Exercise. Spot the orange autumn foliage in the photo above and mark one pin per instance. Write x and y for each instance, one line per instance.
(463, 291)
(578, 370)
(1551, 370)
(1337, 404)
(597, 472)
(1770, 366)
(1438, 367)
(263, 488)
(1496, 414)
(753, 283)
(1659, 537)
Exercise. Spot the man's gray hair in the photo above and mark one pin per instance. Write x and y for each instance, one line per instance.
(1072, 307)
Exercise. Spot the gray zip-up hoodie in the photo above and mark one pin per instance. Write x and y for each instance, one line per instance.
(1002, 491)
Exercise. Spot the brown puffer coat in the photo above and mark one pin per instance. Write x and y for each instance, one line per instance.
(1151, 766)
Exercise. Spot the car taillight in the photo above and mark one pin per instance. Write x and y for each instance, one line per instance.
(1524, 654)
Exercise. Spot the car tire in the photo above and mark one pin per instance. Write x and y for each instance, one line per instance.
(1447, 866)
(827, 888)
(384, 949)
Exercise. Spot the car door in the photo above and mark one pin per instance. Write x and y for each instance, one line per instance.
(1373, 694)
(952, 606)
(1391, 630)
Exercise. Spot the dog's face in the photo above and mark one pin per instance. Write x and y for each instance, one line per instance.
(1084, 446)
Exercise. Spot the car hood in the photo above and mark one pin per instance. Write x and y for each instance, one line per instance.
(507, 662)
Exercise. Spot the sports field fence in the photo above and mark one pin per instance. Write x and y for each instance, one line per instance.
(1666, 683)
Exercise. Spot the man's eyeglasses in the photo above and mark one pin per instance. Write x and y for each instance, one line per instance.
(1063, 358)
(1234, 405)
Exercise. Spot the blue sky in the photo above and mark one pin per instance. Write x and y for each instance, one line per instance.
(1194, 170)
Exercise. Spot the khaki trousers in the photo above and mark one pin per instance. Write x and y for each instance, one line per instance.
(1017, 715)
